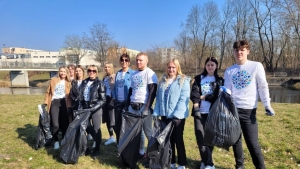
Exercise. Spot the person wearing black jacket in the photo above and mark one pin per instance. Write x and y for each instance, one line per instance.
(74, 93)
(92, 97)
(204, 93)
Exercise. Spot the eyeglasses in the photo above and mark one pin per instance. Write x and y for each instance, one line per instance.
(124, 60)
(94, 71)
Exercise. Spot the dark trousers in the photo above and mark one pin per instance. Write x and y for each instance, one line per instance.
(106, 118)
(176, 140)
(250, 132)
(205, 151)
(94, 129)
(118, 121)
(59, 117)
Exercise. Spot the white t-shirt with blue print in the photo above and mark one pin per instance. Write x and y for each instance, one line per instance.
(139, 82)
(86, 92)
(246, 82)
(119, 83)
(206, 88)
(59, 91)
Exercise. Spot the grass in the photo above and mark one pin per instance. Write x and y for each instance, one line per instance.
(279, 138)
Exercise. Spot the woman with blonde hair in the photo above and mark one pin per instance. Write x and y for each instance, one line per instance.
(92, 97)
(57, 99)
(172, 102)
(109, 81)
(79, 76)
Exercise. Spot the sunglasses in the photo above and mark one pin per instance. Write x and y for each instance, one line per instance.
(94, 71)
(124, 60)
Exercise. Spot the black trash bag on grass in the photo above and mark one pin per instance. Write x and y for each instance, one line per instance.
(74, 143)
(222, 128)
(159, 151)
(130, 137)
(44, 136)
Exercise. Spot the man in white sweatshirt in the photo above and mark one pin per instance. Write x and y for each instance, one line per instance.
(246, 81)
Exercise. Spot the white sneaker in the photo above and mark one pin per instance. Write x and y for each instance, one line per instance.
(202, 166)
(89, 137)
(56, 145)
(209, 167)
(180, 167)
(110, 140)
(173, 166)
(94, 144)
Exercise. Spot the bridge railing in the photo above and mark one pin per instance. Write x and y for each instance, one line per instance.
(5, 64)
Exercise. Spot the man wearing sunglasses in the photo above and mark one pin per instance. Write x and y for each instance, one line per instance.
(141, 95)
(120, 92)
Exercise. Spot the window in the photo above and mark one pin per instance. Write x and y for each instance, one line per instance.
(47, 56)
(60, 63)
(41, 56)
(35, 57)
(54, 56)
(60, 56)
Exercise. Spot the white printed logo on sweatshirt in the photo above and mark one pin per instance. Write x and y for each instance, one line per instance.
(206, 88)
(241, 79)
(138, 82)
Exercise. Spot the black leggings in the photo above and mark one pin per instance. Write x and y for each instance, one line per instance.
(94, 129)
(205, 151)
(59, 117)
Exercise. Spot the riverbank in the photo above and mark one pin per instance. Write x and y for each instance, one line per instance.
(279, 138)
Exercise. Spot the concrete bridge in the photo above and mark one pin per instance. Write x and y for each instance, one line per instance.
(19, 76)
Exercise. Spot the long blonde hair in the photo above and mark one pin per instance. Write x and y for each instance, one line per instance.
(67, 71)
(178, 68)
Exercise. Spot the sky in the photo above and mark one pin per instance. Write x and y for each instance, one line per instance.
(135, 24)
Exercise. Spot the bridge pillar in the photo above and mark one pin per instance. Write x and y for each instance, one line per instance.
(19, 78)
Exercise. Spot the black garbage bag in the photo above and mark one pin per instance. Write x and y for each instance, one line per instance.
(44, 136)
(130, 137)
(222, 128)
(74, 142)
(159, 151)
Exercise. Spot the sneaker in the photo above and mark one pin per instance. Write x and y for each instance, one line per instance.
(202, 166)
(110, 140)
(209, 167)
(89, 137)
(173, 166)
(180, 167)
(94, 144)
(56, 145)
(87, 152)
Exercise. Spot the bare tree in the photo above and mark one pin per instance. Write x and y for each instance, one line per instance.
(99, 40)
(201, 23)
(181, 44)
(226, 15)
(75, 48)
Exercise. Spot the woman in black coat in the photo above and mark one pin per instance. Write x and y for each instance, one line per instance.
(92, 97)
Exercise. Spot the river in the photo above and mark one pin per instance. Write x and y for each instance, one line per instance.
(278, 94)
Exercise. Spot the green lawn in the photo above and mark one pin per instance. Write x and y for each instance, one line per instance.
(279, 138)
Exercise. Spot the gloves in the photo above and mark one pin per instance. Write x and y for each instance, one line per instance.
(70, 111)
(269, 111)
(145, 112)
(224, 89)
(176, 121)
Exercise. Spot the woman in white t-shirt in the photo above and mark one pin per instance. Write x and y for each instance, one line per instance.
(57, 100)
(204, 93)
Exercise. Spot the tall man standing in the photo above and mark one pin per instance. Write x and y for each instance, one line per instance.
(141, 95)
(247, 80)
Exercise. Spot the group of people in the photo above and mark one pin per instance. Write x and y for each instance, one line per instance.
(135, 91)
